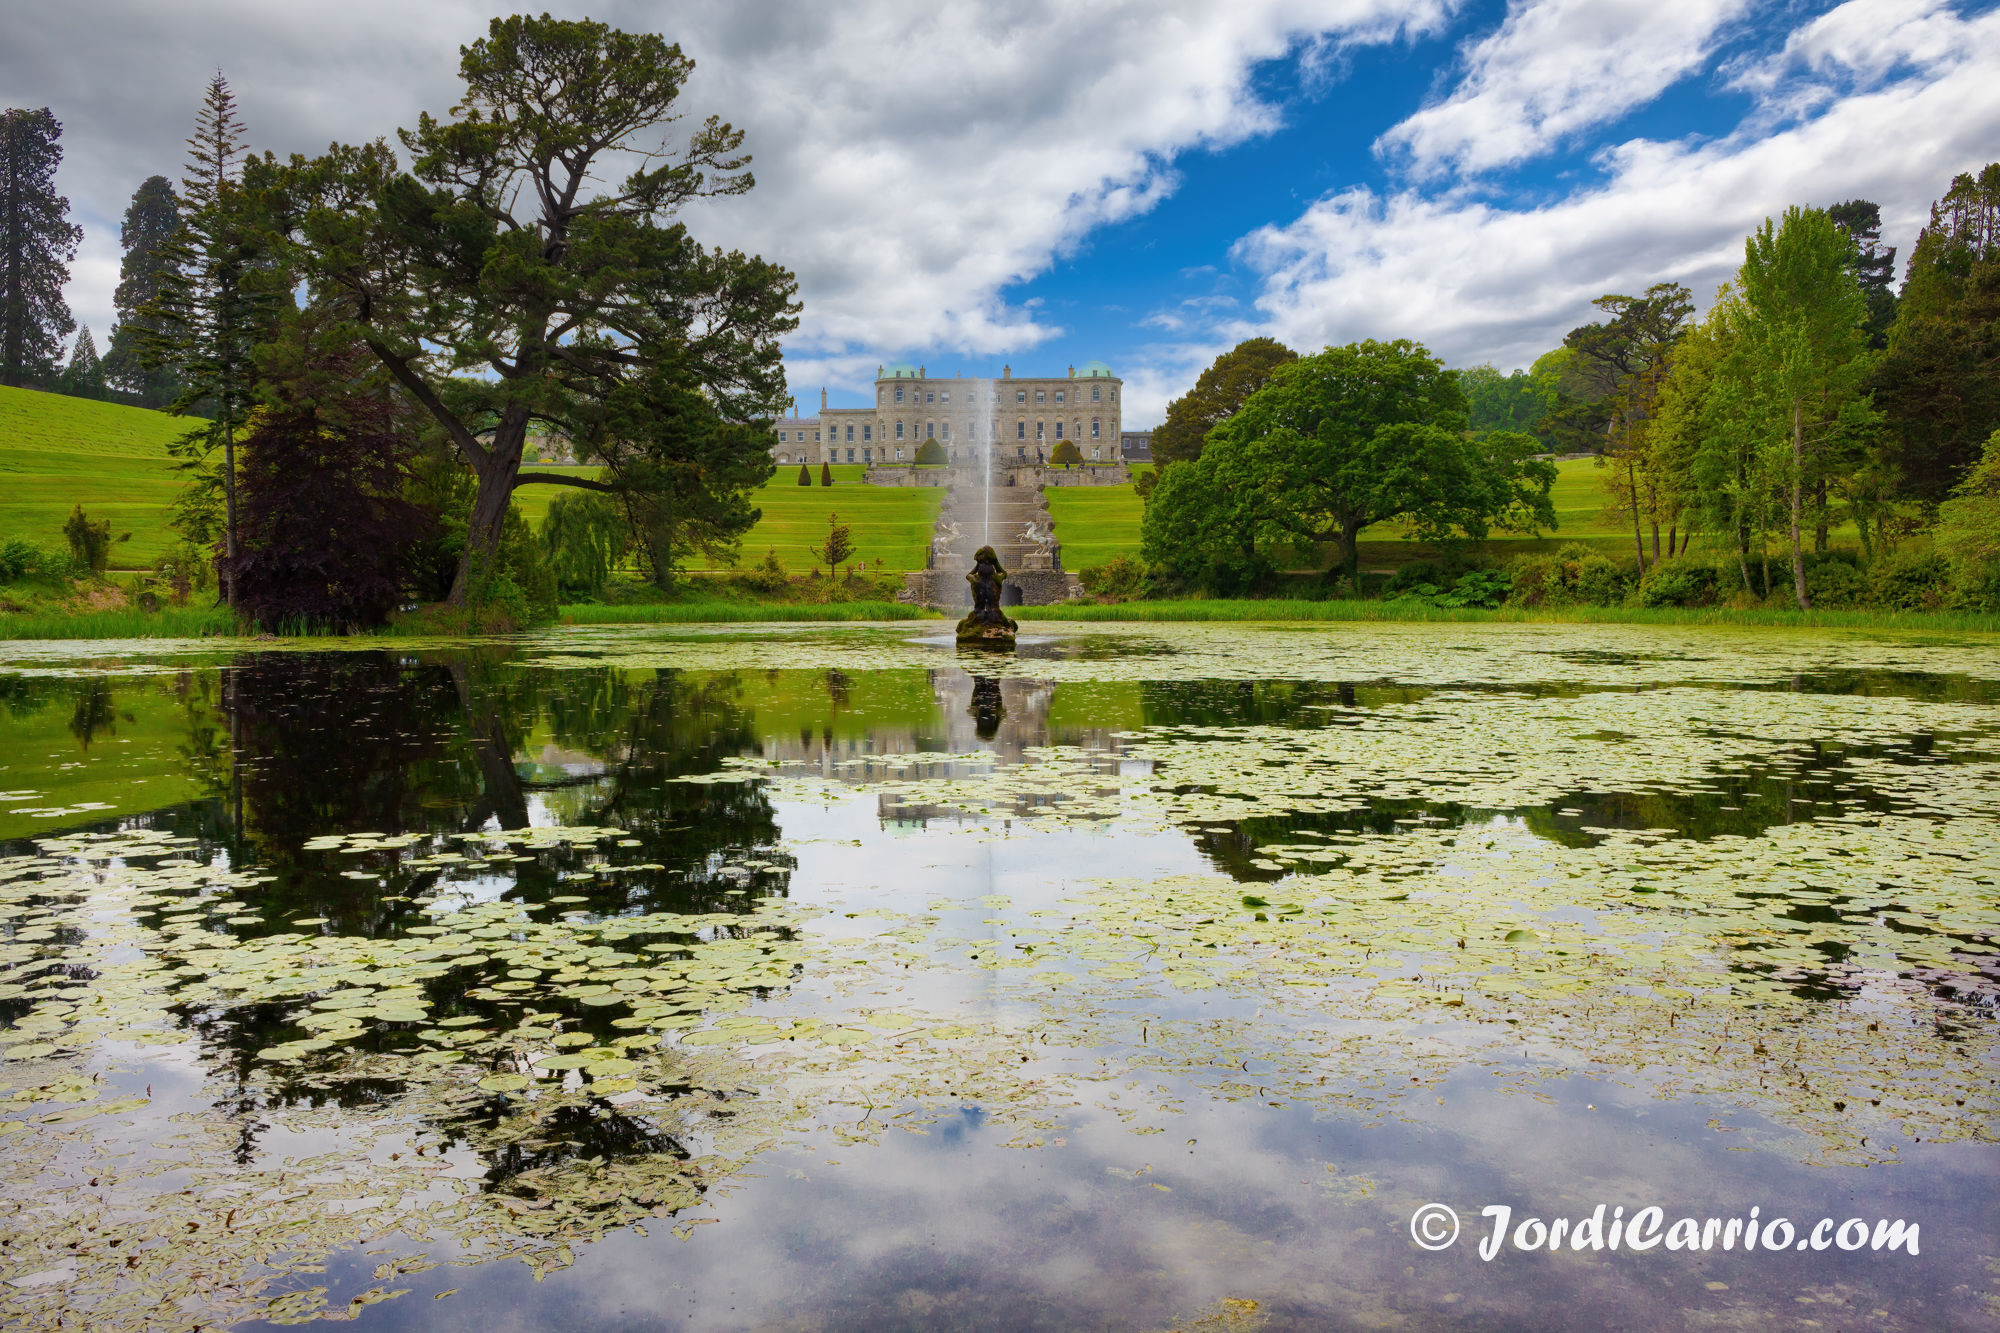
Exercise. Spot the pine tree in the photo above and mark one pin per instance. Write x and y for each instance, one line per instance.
(37, 242)
(1874, 264)
(215, 301)
(147, 235)
(83, 377)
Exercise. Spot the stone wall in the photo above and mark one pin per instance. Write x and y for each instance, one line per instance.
(894, 475)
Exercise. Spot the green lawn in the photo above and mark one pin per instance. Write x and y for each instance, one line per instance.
(1095, 523)
(57, 452)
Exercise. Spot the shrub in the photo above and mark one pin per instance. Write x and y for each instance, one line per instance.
(1479, 587)
(1066, 454)
(930, 452)
(805, 475)
(1909, 581)
(826, 474)
(1117, 579)
(1571, 575)
(769, 576)
(1833, 582)
(1682, 581)
(89, 541)
(22, 559)
(185, 570)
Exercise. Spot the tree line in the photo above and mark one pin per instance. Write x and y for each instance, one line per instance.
(1810, 397)
(369, 342)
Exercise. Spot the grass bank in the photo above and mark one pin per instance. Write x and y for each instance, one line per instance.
(124, 623)
(1418, 613)
(695, 613)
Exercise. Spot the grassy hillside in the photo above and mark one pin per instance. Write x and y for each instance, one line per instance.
(57, 452)
(1096, 523)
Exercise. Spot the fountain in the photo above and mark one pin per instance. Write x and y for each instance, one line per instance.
(987, 625)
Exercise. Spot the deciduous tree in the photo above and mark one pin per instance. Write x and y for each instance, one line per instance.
(37, 243)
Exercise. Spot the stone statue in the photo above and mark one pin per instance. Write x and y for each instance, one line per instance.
(987, 623)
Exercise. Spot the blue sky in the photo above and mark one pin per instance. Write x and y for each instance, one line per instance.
(971, 183)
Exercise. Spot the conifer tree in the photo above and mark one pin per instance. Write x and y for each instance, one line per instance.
(37, 242)
(215, 302)
(83, 377)
(151, 220)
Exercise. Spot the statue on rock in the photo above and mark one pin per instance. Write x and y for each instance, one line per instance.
(987, 623)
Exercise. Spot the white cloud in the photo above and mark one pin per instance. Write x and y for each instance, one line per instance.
(1478, 282)
(913, 160)
(1553, 68)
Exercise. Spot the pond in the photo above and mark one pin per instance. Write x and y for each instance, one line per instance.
(1150, 977)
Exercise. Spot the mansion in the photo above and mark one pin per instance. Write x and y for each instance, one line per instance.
(1024, 418)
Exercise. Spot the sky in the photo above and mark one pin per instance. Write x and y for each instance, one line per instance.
(969, 184)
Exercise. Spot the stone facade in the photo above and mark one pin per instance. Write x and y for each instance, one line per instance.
(1024, 419)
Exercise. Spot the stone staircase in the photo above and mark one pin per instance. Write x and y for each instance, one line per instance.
(1004, 509)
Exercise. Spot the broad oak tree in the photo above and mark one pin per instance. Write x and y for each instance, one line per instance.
(37, 243)
(509, 283)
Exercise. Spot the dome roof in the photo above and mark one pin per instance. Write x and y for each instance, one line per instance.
(898, 370)
(1094, 370)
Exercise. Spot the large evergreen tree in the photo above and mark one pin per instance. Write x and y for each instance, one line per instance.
(1939, 382)
(151, 221)
(511, 280)
(216, 300)
(84, 375)
(1233, 377)
(1874, 263)
(37, 243)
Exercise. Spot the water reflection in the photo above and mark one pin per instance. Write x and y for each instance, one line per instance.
(558, 950)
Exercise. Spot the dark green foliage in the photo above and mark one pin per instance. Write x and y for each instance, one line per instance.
(1874, 264)
(838, 547)
(1117, 579)
(151, 221)
(930, 452)
(1909, 581)
(805, 475)
(1574, 575)
(83, 377)
(1682, 581)
(37, 243)
(1476, 587)
(1939, 382)
(583, 538)
(1519, 401)
(1066, 454)
(825, 474)
(514, 278)
(1220, 390)
(89, 541)
(1834, 582)
(769, 575)
(325, 526)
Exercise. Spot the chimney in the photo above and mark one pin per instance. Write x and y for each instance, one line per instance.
(1072, 372)
(1006, 372)
(822, 399)
(920, 372)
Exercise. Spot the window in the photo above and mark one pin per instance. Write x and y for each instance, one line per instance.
(1097, 393)
(867, 432)
(1093, 453)
(850, 452)
(930, 430)
(1038, 430)
(899, 451)
(1096, 428)
(781, 437)
(947, 396)
(850, 436)
(1041, 397)
(899, 393)
(947, 430)
(1020, 430)
(1020, 395)
(1059, 430)
(1021, 452)
(867, 455)
(899, 430)
(784, 458)
(930, 398)
(1059, 394)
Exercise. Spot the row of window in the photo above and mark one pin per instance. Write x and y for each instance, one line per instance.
(1020, 395)
(931, 432)
(868, 455)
